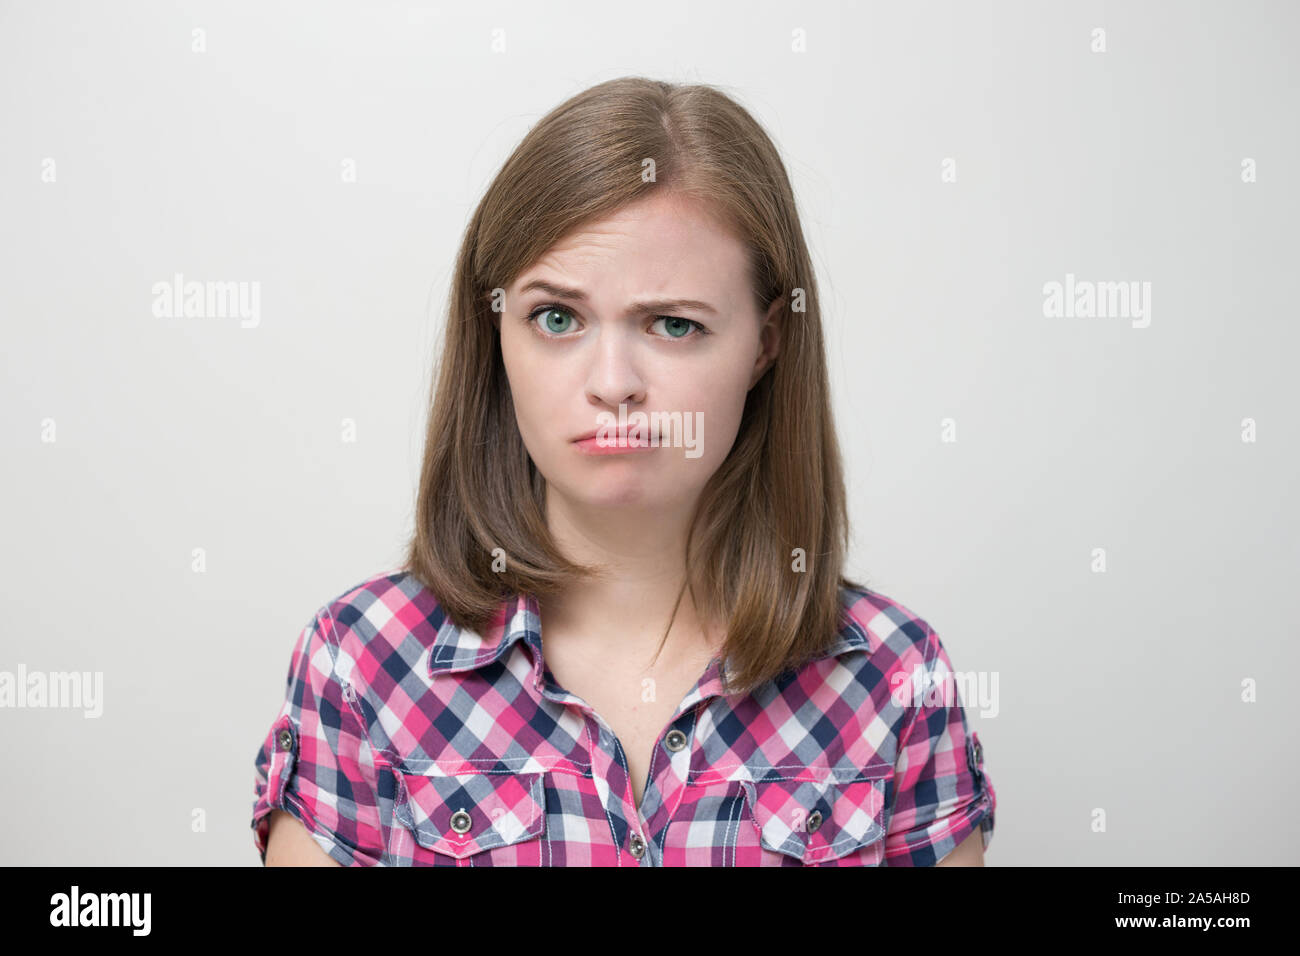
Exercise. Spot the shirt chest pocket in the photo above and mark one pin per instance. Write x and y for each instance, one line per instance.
(817, 820)
(472, 819)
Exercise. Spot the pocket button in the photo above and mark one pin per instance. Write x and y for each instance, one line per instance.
(463, 815)
(819, 819)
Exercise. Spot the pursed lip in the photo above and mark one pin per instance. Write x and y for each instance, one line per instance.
(618, 435)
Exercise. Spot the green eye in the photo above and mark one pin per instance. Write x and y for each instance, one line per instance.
(675, 327)
(548, 314)
(557, 320)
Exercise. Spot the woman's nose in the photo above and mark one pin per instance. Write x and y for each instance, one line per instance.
(614, 376)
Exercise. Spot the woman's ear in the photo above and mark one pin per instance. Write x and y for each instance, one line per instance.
(769, 340)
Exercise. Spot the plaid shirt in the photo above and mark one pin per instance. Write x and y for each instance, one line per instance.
(407, 741)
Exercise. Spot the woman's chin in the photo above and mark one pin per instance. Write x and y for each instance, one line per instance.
(619, 494)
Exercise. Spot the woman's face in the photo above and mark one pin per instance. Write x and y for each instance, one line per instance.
(623, 335)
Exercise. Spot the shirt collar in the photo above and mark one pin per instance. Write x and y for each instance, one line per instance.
(457, 649)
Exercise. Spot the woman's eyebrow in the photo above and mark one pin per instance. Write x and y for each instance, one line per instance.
(640, 306)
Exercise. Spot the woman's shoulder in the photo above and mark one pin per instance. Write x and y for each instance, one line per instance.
(875, 620)
(379, 597)
(390, 612)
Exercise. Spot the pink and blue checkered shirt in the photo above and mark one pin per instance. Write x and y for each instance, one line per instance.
(406, 741)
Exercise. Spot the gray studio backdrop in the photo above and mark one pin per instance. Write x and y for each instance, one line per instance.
(1054, 242)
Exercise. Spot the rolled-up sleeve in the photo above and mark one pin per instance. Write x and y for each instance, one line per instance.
(316, 762)
(941, 790)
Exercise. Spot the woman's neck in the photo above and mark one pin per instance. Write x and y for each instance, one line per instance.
(622, 613)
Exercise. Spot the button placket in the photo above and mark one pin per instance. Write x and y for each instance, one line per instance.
(671, 767)
(975, 757)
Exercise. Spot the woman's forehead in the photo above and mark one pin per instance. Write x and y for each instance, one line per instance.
(665, 251)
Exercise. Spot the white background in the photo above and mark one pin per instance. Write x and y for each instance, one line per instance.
(1119, 691)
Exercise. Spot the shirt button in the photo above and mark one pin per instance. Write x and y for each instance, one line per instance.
(978, 750)
(675, 740)
(460, 821)
(638, 846)
(814, 821)
(285, 740)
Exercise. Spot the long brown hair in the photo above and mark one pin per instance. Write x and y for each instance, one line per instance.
(780, 488)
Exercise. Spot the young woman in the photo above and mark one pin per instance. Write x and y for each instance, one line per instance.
(623, 636)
